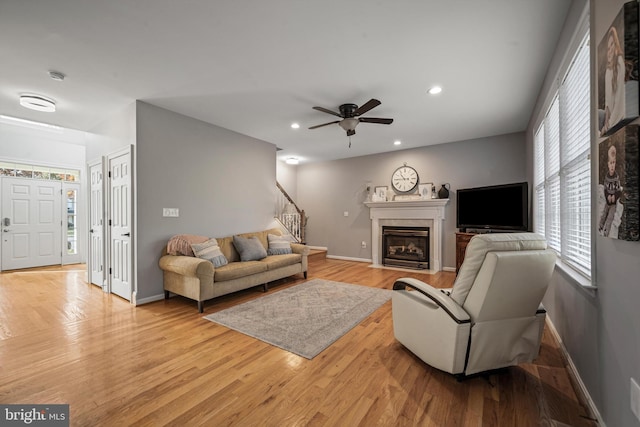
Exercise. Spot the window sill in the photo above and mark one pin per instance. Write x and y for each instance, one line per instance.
(575, 278)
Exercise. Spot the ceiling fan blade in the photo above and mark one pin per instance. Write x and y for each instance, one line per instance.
(372, 103)
(375, 120)
(325, 124)
(324, 110)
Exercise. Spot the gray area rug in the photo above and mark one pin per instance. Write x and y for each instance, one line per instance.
(304, 319)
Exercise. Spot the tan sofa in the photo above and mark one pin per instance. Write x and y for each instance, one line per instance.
(199, 280)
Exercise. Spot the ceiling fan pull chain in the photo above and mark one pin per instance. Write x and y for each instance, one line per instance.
(349, 141)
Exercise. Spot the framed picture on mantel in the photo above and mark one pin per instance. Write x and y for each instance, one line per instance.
(381, 194)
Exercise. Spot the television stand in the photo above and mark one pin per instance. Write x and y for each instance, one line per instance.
(462, 240)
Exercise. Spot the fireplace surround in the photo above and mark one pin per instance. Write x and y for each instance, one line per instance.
(410, 213)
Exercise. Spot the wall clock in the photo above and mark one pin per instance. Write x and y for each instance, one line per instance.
(405, 179)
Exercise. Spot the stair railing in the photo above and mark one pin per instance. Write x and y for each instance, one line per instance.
(290, 215)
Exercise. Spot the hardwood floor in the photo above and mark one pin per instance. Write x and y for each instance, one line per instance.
(65, 341)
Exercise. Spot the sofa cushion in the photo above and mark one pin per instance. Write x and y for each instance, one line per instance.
(235, 270)
(278, 245)
(181, 244)
(210, 251)
(249, 248)
(276, 261)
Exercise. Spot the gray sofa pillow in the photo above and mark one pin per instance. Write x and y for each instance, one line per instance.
(278, 245)
(210, 251)
(250, 249)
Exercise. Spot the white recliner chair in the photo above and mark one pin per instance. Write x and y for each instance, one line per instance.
(491, 318)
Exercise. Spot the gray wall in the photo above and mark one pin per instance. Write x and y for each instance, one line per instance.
(600, 330)
(326, 190)
(113, 133)
(222, 182)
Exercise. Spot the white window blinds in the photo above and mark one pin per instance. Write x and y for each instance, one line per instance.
(562, 169)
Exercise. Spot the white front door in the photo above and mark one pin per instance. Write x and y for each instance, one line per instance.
(96, 225)
(120, 219)
(31, 223)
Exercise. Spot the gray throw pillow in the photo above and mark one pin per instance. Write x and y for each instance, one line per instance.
(249, 248)
(210, 251)
(278, 245)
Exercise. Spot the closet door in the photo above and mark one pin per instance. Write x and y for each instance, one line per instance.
(96, 258)
(120, 224)
(31, 223)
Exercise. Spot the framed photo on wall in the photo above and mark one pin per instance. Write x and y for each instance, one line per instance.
(618, 185)
(618, 91)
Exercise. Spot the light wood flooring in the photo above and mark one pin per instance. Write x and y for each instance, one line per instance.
(65, 341)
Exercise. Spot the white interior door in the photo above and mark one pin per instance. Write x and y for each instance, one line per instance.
(120, 224)
(31, 223)
(96, 259)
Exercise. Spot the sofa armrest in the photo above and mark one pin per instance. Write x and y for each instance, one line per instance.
(301, 249)
(188, 266)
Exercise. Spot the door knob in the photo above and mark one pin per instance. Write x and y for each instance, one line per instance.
(126, 234)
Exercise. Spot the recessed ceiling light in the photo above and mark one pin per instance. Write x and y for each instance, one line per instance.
(435, 90)
(397, 142)
(292, 161)
(295, 126)
(38, 103)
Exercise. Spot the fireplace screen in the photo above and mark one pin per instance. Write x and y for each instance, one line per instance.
(405, 246)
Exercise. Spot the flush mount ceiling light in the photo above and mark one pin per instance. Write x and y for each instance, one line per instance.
(56, 75)
(38, 103)
(292, 161)
(397, 142)
(434, 90)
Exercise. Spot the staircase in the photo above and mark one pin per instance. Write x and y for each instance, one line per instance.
(290, 215)
(317, 254)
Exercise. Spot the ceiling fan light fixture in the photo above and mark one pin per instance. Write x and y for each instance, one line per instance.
(38, 103)
(295, 126)
(349, 124)
(435, 90)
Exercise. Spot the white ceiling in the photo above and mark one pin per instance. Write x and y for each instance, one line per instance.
(256, 66)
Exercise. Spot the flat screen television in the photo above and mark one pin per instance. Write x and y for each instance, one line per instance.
(497, 207)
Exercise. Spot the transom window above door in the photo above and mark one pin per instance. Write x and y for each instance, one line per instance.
(21, 170)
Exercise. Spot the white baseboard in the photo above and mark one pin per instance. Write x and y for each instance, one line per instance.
(574, 373)
(320, 248)
(149, 299)
(452, 269)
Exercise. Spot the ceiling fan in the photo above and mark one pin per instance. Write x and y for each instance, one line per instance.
(351, 113)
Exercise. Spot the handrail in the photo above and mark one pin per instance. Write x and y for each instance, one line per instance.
(286, 195)
(299, 223)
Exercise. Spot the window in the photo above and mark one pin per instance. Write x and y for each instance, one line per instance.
(38, 172)
(562, 167)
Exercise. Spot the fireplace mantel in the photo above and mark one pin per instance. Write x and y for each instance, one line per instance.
(408, 210)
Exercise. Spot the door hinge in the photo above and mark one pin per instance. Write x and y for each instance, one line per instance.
(109, 174)
(109, 270)
(109, 223)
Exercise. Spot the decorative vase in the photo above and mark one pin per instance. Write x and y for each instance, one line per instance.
(443, 193)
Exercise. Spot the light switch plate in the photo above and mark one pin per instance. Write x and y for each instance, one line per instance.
(170, 212)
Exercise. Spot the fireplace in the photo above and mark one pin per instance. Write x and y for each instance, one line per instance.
(405, 246)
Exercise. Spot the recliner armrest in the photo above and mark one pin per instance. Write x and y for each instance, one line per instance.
(444, 301)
